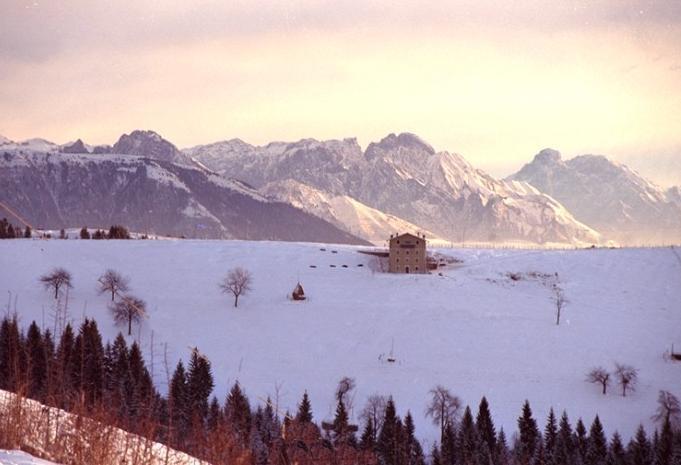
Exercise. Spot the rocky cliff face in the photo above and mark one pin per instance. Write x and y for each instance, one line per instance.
(608, 196)
(403, 176)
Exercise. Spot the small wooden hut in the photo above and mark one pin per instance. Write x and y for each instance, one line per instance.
(298, 292)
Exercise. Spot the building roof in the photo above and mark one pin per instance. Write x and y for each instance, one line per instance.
(399, 236)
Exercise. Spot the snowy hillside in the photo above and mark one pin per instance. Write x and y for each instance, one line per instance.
(17, 457)
(474, 329)
(342, 211)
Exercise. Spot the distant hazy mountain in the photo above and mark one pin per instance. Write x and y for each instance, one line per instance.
(54, 190)
(607, 196)
(404, 177)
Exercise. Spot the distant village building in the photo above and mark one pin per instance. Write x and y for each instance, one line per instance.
(407, 253)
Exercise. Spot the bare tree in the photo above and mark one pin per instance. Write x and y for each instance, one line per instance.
(113, 282)
(128, 309)
(443, 408)
(560, 301)
(57, 279)
(668, 409)
(237, 282)
(601, 376)
(374, 410)
(345, 387)
(627, 377)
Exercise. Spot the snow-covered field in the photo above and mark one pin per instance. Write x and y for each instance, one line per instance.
(473, 329)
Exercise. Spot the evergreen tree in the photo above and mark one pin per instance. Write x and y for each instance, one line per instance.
(304, 414)
(27, 232)
(413, 449)
(11, 350)
(616, 452)
(597, 448)
(539, 457)
(550, 436)
(502, 455)
(435, 455)
(388, 443)
(564, 449)
(342, 431)
(639, 448)
(200, 385)
(448, 451)
(178, 405)
(37, 359)
(665, 446)
(467, 439)
(214, 414)
(141, 391)
(88, 358)
(65, 372)
(485, 425)
(529, 435)
(581, 440)
(84, 233)
(238, 413)
(368, 439)
(676, 452)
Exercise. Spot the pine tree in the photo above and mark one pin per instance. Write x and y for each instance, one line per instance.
(413, 449)
(467, 439)
(503, 457)
(142, 388)
(435, 455)
(27, 232)
(37, 361)
(304, 414)
(580, 440)
(665, 446)
(11, 350)
(342, 431)
(368, 439)
(214, 414)
(564, 449)
(388, 445)
(597, 448)
(639, 448)
(84, 234)
(88, 358)
(448, 450)
(616, 452)
(485, 425)
(529, 435)
(200, 384)
(238, 413)
(178, 405)
(550, 436)
(65, 372)
(539, 457)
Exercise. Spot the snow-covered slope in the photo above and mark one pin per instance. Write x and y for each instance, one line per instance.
(473, 329)
(342, 211)
(404, 177)
(53, 190)
(607, 196)
(17, 457)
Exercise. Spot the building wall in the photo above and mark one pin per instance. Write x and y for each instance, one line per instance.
(407, 254)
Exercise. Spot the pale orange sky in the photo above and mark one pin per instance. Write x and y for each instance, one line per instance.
(495, 81)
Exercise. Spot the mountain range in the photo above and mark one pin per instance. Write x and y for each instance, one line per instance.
(332, 191)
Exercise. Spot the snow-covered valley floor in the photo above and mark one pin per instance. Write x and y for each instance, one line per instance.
(473, 329)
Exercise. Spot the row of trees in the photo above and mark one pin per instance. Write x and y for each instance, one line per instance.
(11, 231)
(80, 373)
(115, 232)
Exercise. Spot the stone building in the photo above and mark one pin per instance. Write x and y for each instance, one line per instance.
(407, 253)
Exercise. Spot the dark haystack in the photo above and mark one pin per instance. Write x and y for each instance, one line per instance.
(298, 293)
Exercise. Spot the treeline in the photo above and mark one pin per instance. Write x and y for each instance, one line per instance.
(115, 232)
(112, 381)
(11, 231)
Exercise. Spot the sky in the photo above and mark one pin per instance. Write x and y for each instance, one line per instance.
(493, 80)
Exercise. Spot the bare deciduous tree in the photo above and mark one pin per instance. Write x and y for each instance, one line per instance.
(443, 408)
(374, 410)
(668, 409)
(237, 282)
(128, 309)
(601, 376)
(113, 282)
(57, 279)
(560, 301)
(627, 376)
(345, 387)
